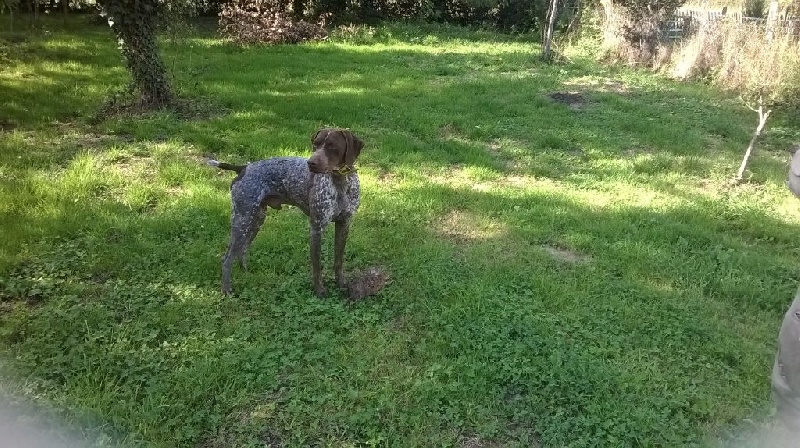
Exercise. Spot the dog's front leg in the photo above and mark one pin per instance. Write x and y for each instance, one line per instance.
(340, 241)
(316, 264)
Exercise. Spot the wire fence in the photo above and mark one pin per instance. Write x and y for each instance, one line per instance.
(686, 22)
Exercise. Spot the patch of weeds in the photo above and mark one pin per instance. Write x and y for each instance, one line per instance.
(566, 255)
(574, 100)
(43, 277)
(126, 104)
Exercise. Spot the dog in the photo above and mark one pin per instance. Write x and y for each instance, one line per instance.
(325, 187)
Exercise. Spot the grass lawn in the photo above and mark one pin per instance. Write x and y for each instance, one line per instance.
(563, 274)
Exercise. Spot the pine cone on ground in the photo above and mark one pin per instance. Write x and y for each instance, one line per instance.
(367, 283)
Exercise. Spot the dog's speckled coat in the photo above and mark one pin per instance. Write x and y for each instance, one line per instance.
(325, 187)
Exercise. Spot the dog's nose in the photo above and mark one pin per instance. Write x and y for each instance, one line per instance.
(313, 165)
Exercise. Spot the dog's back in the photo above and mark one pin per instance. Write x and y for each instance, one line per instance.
(279, 180)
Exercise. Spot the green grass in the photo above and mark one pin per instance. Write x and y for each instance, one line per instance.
(560, 277)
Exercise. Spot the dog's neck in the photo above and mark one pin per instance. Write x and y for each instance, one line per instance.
(337, 178)
(343, 170)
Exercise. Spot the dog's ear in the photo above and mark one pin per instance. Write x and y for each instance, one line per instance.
(316, 135)
(352, 148)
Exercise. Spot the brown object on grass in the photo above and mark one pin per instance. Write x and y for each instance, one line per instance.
(367, 283)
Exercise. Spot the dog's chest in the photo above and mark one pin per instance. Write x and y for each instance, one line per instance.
(333, 197)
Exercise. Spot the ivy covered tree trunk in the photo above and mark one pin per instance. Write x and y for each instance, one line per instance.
(134, 24)
(298, 9)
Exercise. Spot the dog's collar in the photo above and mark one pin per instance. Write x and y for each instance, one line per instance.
(344, 170)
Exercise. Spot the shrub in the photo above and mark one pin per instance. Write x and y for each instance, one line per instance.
(264, 22)
(633, 30)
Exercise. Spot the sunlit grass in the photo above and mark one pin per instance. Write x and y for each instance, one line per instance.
(567, 275)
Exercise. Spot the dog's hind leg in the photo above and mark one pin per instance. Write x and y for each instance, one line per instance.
(255, 225)
(242, 224)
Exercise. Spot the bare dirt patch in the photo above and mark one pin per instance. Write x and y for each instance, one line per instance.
(566, 255)
(132, 165)
(518, 181)
(495, 147)
(7, 125)
(384, 175)
(635, 151)
(125, 104)
(254, 415)
(92, 140)
(449, 130)
(599, 84)
(463, 227)
(575, 100)
(477, 442)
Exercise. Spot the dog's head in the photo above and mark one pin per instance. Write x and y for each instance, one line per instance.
(335, 150)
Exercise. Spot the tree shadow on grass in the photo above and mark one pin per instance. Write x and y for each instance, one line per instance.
(482, 334)
(673, 301)
(401, 96)
(447, 106)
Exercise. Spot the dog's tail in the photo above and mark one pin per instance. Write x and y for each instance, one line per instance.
(226, 166)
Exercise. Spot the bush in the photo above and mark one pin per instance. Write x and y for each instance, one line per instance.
(633, 31)
(259, 22)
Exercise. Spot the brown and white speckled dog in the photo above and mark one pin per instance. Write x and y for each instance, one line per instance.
(325, 187)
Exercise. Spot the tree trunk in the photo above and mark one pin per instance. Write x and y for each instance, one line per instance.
(133, 24)
(762, 120)
(548, 38)
(298, 9)
(35, 7)
(367, 11)
(573, 29)
(772, 19)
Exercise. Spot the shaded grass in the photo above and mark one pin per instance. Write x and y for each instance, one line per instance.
(471, 177)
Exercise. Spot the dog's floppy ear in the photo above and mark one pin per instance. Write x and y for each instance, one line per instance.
(352, 148)
(316, 134)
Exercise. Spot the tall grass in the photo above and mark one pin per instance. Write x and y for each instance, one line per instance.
(741, 57)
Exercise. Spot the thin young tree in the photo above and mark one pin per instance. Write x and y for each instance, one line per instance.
(552, 13)
(11, 5)
(763, 114)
